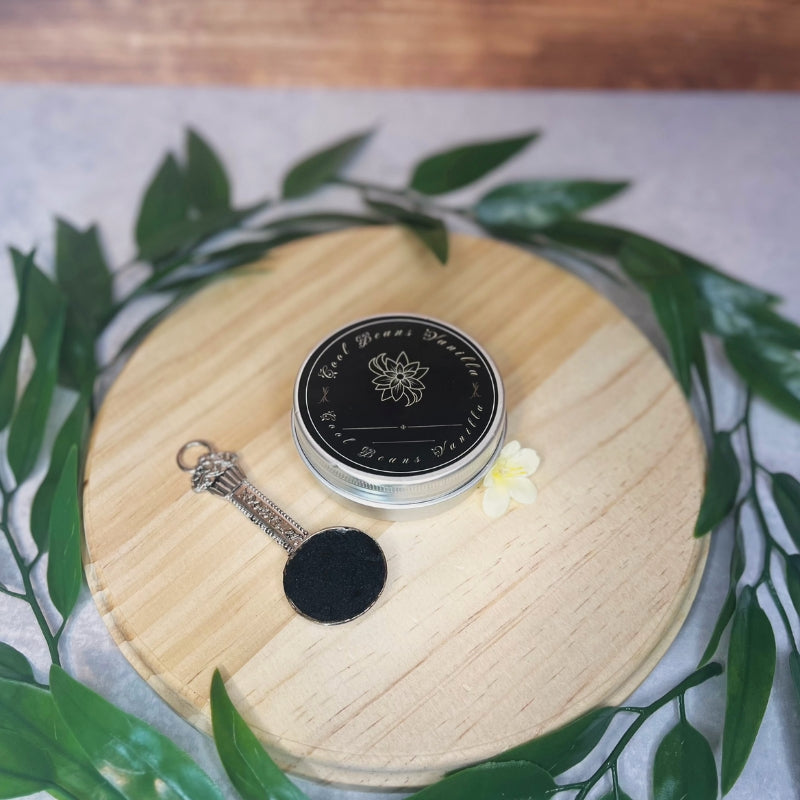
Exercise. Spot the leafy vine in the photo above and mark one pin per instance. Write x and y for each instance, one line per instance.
(65, 739)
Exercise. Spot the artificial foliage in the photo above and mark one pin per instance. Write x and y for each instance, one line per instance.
(65, 739)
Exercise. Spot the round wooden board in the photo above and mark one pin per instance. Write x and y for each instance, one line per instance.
(488, 632)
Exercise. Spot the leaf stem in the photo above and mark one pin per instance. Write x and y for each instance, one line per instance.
(419, 201)
(11, 593)
(694, 679)
(615, 781)
(776, 600)
(29, 595)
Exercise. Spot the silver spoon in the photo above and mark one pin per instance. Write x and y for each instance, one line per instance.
(331, 576)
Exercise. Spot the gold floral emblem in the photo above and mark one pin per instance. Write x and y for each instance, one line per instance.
(398, 378)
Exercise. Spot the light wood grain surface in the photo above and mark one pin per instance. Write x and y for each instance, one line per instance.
(489, 632)
(460, 43)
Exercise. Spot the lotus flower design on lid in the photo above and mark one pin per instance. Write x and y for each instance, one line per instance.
(398, 378)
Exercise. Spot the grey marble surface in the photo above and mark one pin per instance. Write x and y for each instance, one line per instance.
(714, 174)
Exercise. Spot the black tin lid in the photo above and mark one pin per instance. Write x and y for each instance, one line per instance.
(398, 412)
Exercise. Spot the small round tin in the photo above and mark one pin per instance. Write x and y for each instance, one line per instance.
(399, 413)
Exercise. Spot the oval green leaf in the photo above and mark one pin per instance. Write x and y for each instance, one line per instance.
(563, 748)
(142, 763)
(645, 261)
(605, 240)
(751, 668)
(72, 434)
(165, 205)
(64, 562)
(722, 484)
(793, 580)
(510, 780)
(30, 418)
(253, 773)
(674, 305)
(321, 167)
(429, 230)
(78, 367)
(82, 273)
(537, 204)
(43, 299)
(14, 665)
(771, 371)
(684, 766)
(23, 769)
(794, 670)
(458, 167)
(9, 355)
(206, 180)
(729, 604)
(28, 715)
(786, 494)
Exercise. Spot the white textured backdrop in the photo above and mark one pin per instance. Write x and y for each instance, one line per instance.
(716, 175)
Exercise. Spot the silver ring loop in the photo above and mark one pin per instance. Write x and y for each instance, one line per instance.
(194, 443)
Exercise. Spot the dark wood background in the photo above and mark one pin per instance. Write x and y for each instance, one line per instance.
(672, 44)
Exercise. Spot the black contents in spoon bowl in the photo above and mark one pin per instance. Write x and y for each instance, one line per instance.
(335, 575)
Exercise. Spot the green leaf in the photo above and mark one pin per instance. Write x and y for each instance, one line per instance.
(164, 206)
(251, 770)
(9, 355)
(771, 371)
(565, 747)
(43, 300)
(647, 262)
(77, 367)
(511, 780)
(72, 434)
(119, 744)
(729, 307)
(175, 246)
(324, 219)
(674, 305)
(786, 494)
(722, 484)
(14, 665)
(28, 717)
(793, 580)
(684, 766)
(206, 180)
(794, 669)
(604, 240)
(537, 204)
(23, 769)
(755, 322)
(28, 425)
(721, 290)
(82, 273)
(729, 605)
(751, 668)
(321, 167)
(431, 231)
(452, 169)
(64, 563)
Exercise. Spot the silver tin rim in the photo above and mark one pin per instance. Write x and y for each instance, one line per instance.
(391, 492)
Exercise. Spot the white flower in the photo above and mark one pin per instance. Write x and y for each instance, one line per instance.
(508, 478)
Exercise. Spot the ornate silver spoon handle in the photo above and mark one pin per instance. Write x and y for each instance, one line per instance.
(221, 474)
(331, 576)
